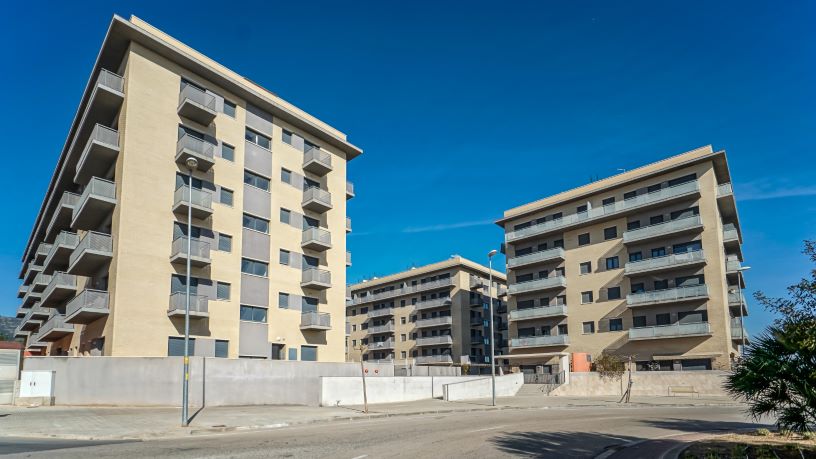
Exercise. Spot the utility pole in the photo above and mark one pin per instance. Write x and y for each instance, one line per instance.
(492, 336)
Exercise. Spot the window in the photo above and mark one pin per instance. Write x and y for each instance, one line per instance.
(610, 233)
(283, 257)
(256, 180)
(224, 242)
(222, 291)
(635, 256)
(222, 348)
(561, 300)
(403, 337)
(309, 304)
(403, 354)
(546, 330)
(615, 324)
(258, 139)
(583, 239)
(633, 225)
(638, 288)
(253, 314)
(613, 293)
(287, 137)
(229, 108)
(653, 188)
(586, 267)
(654, 220)
(612, 263)
(524, 332)
(228, 152)
(661, 284)
(277, 352)
(257, 268)
(308, 353)
(586, 297)
(175, 346)
(581, 209)
(292, 353)
(557, 215)
(685, 213)
(402, 320)
(683, 179)
(283, 300)
(639, 321)
(225, 196)
(285, 215)
(658, 252)
(562, 329)
(588, 328)
(629, 195)
(608, 201)
(255, 223)
(559, 243)
(286, 176)
(692, 246)
(663, 319)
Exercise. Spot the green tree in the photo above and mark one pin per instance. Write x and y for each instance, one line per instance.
(777, 376)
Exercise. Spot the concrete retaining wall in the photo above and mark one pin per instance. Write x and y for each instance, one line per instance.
(506, 386)
(149, 381)
(644, 383)
(349, 391)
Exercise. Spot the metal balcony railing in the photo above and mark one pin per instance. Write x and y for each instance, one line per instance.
(662, 229)
(381, 312)
(199, 304)
(55, 323)
(616, 208)
(63, 211)
(381, 345)
(318, 196)
(93, 242)
(349, 189)
(535, 313)
(98, 189)
(316, 237)
(738, 329)
(541, 256)
(730, 233)
(668, 295)
(313, 319)
(198, 249)
(43, 249)
(316, 275)
(62, 282)
(348, 224)
(540, 341)
(197, 96)
(665, 262)
(90, 300)
(434, 322)
(111, 80)
(431, 359)
(724, 190)
(199, 147)
(65, 240)
(670, 331)
(200, 198)
(434, 303)
(538, 284)
(406, 290)
(434, 340)
(732, 264)
(387, 328)
(317, 160)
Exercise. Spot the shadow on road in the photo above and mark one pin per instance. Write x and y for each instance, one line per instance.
(558, 444)
(696, 425)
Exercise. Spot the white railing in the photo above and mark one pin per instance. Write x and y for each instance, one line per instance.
(538, 284)
(197, 96)
(670, 331)
(315, 319)
(667, 295)
(407, 290)
(317, 194)
(111, 80)
(539, 341)
(321, 276)
(317, 155)
(198, 146)
(660, 229)
(88, 299)
(534, 313)
(319, 235)
(434, 322)
(198, 248)
(201, 198)
(605, 211)
(536, 257)
(198, 303)
(97, 242)
(675, 259)
(434, 340)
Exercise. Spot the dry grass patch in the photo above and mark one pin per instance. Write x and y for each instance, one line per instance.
(760, 444)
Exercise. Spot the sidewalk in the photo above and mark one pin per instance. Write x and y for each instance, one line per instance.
(116, 423)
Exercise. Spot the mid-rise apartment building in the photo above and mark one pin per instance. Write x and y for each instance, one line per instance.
(430, 315)
(646, 264)
(162, 131)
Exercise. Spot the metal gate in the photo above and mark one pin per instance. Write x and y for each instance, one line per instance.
(9, 371)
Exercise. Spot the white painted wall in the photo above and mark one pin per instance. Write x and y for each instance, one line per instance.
(506, 386)
(646, 383)
(349, 391)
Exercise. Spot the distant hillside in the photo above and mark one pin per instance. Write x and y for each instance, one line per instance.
(7, 326)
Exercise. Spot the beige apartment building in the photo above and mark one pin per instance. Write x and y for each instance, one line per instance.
(430, 315)
(104, 270)
(646, 264)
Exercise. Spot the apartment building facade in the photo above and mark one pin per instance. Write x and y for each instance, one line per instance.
(646, 264)
(163, 132)
(430, 315)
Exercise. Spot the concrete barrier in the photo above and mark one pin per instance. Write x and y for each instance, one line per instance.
(506, 386)
(349, 391)
(156, 381)
(643, 383)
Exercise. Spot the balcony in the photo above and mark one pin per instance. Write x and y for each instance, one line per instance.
(348, 258)
(22, 291)
(99, 154)
(377, 329)
(733, 271)
(316, 199)
(21, 312)
(199, 252)
(30, 298)
(442, 340)
(478, 321)
(348, 224)
(199, 306)
(55, 329)
(60, 253)
(317, 161)
(738, 330)
(434, 303)
(737, 299)
(202, 151)
(199, 203)
(669, 295)
(479, 340)
(92, 252)
(42, 251)
(665, 229)
(726, 201)
(62, 287)
(40, 282)
(677, 330)
(641, 202)
(315, 321)
(35, 344)
(552, 282)
(434, 322)
(88, 306)
(433, 360)
(539, 341)
(95, 204)
(539, 313)
(318, 239)
(534, 258)
(381, 345)
(108, 94)
(196, 104)
(30, 323)
(665, 263)
(406, 290)
(32, 269)
(314, 278)
(382, 312)
(732, 239)
(62, 214)
(349, 190)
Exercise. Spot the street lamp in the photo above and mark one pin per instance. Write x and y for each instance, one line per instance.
(740, 270)
(192, 163)
(492, 336)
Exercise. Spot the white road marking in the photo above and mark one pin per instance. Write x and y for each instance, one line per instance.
(487, 428)
(360, 457)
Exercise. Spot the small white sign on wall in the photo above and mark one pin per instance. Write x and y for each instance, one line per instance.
(37, 384)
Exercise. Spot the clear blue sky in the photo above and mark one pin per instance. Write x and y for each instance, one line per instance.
(465, 109)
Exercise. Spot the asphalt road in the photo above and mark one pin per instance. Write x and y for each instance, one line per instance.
(574, 432)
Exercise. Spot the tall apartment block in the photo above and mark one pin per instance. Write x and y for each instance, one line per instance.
(431, 315)
(162, 131)
(644, 264)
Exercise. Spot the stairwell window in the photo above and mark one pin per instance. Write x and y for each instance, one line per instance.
(258, 139)
(255, 223)
(253, 314)
(615, 324)
(586, 297)
(257, 268)
(256, 180)
(583, 239)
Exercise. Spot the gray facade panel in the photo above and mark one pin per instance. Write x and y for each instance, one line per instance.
(255, 245)
(204, 347)
(259, 120)
(257, 159)
(257, 202)
(253, 339)
(254, 290)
